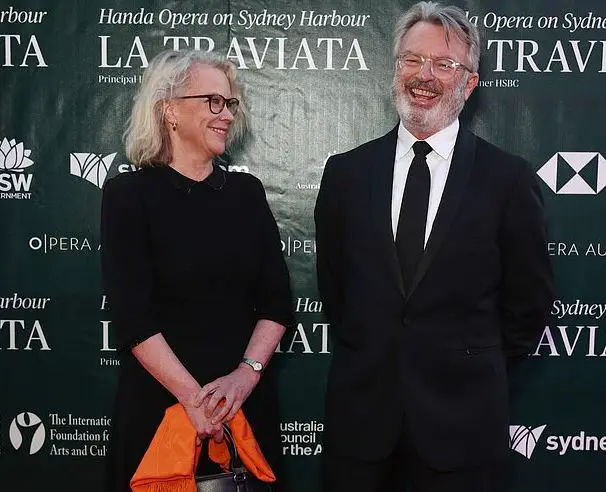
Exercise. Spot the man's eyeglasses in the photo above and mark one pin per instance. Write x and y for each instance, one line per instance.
(441, 68)
(216, 102)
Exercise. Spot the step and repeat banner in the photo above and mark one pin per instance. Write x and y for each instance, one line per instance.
(317, 81)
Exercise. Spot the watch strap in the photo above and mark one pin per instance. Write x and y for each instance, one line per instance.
(254, 364)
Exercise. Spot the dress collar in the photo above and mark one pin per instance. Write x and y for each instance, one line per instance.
(215, 180)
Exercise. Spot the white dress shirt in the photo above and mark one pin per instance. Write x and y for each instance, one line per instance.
(438, 161)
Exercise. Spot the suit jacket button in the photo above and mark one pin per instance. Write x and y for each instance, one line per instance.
(405, 321)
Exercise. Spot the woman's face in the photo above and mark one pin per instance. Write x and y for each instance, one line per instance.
(199, 131)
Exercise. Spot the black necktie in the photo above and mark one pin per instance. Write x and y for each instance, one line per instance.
(410, 236)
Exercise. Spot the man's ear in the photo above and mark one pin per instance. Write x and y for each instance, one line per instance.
(472, 83)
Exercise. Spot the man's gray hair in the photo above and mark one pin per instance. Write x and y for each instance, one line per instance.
(451, 18)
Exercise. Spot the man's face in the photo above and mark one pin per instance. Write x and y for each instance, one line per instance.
(427, 103)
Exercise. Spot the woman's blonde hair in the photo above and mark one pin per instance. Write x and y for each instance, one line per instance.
(146, 136)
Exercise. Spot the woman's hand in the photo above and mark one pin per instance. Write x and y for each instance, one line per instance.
(223, 397)
(204, 427)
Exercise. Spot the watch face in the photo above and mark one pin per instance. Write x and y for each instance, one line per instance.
(256, 365)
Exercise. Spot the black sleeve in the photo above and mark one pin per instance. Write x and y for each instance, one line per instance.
(527, 284)
(328, 245)
(273, 297)
(126, 262)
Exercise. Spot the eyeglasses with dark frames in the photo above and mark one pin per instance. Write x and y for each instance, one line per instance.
(216, 102)
(442, 68)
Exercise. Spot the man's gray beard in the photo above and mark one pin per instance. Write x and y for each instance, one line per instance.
(432, 120)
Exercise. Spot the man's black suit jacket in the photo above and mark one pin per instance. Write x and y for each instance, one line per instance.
(435, 355)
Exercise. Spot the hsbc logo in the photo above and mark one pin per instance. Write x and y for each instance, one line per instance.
(27, 431)
(575, 173)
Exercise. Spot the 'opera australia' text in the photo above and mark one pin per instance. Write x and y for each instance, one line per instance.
(576, 249)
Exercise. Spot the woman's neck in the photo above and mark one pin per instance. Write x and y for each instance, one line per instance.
(196, 169)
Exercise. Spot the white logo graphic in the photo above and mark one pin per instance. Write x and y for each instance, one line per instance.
(13, 157)
(523, 439)
(26, 420)
(575, 173)
(91, 167)
(292, 246)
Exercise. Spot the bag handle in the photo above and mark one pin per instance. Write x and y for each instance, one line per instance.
(235, 463)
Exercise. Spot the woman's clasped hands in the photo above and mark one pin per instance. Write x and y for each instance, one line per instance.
(218, 401)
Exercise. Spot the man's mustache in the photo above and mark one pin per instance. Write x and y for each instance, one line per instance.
(431, 85)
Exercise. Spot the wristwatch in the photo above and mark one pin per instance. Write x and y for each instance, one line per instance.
(255, 364)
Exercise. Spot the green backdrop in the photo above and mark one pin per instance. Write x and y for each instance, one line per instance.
(317, 77)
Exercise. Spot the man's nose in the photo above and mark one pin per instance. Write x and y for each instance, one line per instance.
(425, 72)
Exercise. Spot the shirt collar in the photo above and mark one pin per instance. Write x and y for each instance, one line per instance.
(442, 142)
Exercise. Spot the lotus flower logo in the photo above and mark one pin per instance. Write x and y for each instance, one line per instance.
(91, 167)
(13, 157)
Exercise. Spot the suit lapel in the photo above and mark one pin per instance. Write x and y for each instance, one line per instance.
(380, 197)
(458, 176)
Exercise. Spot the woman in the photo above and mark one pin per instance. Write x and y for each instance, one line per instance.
(192, 266)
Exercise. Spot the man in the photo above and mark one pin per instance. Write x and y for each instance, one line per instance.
(433, 268)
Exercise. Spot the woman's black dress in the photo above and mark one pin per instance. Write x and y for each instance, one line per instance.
(199, 262)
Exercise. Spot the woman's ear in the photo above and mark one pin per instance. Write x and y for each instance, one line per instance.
(170, 118)
(168, 111)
